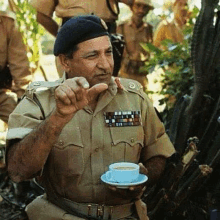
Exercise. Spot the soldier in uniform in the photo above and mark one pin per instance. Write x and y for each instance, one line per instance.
(108, 10)
(66, 133)
(14, 65)
(135, 31)
(172, 30)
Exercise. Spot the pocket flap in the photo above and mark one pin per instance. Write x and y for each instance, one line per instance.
(70, 135)
(132, 135)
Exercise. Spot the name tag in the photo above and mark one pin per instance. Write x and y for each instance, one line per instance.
(122, 118)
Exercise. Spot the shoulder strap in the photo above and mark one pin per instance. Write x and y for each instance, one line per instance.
(39, 104)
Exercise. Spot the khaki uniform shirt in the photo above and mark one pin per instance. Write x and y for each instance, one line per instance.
(70, 8)
(87, 146)
(167, 30)
(133, 36)
(134, 56)
(13, 52)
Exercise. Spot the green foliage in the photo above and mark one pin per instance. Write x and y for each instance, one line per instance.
(30, 29)
(174, 59)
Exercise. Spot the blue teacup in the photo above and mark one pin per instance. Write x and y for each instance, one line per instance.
(123, 172)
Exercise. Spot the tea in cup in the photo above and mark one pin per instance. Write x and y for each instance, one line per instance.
(123, 172)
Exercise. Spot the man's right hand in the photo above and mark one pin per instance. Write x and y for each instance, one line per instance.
(74, 94)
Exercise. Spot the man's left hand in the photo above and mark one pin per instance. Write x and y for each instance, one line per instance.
(133, 192)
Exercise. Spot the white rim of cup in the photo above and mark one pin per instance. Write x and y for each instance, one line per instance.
(124, 164)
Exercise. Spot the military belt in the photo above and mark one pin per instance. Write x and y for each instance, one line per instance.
(97, 211)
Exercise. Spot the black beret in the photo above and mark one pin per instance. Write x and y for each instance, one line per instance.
(77, 30)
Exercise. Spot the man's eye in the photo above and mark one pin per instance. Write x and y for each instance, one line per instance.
(91, 55)
(109, 51)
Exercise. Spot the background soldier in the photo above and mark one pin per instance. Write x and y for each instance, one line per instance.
(14, 66)
(14, 73)
(107, 10)
(172, 30)
(135, 31)
(65, 135)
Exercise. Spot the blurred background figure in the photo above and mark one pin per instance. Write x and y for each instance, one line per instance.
(173, 30)
(14, 72)
(14, 66)
(136, 31)
(107, 10)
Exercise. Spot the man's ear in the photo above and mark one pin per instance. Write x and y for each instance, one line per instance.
(64, 62)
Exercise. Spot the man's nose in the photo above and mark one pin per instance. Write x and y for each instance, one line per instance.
(104, 62)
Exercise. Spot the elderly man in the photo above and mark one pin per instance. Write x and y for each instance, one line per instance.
(135, 32)
(172, 30)
(63, 133)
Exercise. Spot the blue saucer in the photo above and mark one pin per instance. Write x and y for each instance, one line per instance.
(141, 179)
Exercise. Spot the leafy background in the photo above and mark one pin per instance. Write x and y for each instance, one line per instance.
(176, 78)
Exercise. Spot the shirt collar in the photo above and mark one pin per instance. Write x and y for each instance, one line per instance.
(131, 23)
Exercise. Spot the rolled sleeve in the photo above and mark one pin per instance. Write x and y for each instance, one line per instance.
(161, 147)
(21, 122)
(17, 133)
(156, 141)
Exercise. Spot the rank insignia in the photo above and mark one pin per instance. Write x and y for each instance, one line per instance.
(122, 118)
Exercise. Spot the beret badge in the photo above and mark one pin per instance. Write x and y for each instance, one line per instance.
(104, 24)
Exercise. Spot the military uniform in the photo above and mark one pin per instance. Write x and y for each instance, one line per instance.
(107, 10)
(12, 54)
(134, 55)
(123, 127)
(167, 30)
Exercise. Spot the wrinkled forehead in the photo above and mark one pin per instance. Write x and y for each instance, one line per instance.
(95, 44)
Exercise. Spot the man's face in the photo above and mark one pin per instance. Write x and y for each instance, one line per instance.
(180, 8)
(93, 60)
(140, 10)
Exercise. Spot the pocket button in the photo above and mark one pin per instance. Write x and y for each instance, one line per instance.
(132, 140)
(61, 142)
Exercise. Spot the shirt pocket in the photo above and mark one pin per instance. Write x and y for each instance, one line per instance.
(127, 143)
(68, 153)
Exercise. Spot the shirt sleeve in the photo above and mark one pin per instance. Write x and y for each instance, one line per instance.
(156, 141)
(17, 59)
(46, 7)
(159, 35)
(21, 121)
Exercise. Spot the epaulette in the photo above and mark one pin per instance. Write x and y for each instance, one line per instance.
(132, 86)
(8, 14)
(41, 85)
